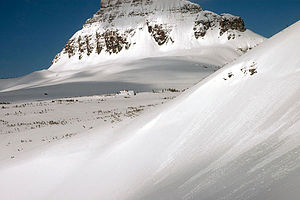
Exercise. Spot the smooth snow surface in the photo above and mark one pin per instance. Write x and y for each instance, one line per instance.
(236, 135)
(179, 70)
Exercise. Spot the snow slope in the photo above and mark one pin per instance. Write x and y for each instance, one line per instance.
(233, 136)
(180, 71)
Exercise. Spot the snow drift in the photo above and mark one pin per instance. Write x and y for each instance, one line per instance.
(233, 136)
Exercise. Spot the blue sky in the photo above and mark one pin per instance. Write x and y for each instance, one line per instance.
(34, 31)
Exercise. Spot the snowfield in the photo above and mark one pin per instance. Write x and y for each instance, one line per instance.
(235, 135)
(179, 69)
(28, 125)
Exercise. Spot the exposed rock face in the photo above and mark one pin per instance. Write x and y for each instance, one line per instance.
(114, 28)
(160, 33)
(225, 22)
(231, 23)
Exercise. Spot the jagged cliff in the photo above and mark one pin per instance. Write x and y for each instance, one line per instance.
(148, 27)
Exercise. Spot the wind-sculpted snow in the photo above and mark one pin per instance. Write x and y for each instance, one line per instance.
(143, 28)
(233, 136)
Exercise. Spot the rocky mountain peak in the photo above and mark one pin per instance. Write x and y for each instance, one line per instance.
(143, 27)
(118, 9)
(109, 3)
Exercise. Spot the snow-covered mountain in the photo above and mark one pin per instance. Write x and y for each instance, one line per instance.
(233, 136)
(140, 45)
(124, 29)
